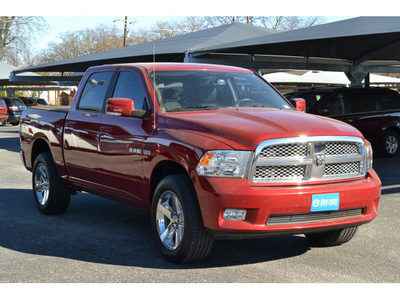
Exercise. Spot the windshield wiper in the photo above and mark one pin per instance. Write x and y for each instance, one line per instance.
(194, 107)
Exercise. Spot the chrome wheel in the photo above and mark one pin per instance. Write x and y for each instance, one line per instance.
(170, 220)
(392, 144)
(42, 184)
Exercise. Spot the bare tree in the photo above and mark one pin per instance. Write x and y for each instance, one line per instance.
(273, 22)
(163, 30)
(17, 33)
(82, 42)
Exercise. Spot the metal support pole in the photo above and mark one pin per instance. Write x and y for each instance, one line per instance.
(125, 30)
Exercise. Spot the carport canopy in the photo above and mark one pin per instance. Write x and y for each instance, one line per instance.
(355, 46)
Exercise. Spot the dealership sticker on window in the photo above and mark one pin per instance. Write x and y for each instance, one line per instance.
(325, 202)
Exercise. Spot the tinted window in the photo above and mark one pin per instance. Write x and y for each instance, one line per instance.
(16, 102)
(95, 91)
(42, 101)
(29, 102)
(361, 102)
(311, 99)
(389, 100)
(129, 86)
(2, 103)
(335, 104)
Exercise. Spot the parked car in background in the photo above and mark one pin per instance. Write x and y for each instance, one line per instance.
(3, 112)
(34, 101)
(15, 107)
(373, 111)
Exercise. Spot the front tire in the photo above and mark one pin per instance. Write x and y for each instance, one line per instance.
(51, 195)
(333, 238)
(176, 221)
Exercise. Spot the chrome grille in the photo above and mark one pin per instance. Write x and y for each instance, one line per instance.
(301, 159)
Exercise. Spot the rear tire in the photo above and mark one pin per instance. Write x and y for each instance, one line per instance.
(51, 195)
(176, 221)
(2, 123)
(390, 144)
(333, 238)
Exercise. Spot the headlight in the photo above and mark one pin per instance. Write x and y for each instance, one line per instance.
(224, 163)
(369, 158)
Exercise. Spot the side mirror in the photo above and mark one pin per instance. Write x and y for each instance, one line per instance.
(124, 107)
(300, 104)
(120, 107)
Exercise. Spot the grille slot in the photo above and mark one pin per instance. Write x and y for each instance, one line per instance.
(315, 216)
(284, 151)
(340, 148)
(280, 172)
(342, 169)
(308, 159)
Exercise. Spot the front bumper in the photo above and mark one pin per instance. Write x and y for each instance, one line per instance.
(217, 194)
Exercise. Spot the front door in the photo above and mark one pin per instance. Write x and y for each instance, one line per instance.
(121, 143)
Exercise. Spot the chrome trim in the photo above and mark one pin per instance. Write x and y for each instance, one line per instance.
(315, 161)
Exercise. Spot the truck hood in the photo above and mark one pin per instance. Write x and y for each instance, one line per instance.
(245, 128)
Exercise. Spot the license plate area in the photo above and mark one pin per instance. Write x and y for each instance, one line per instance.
(325, 202)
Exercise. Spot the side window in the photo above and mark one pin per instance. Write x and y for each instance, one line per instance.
(389, 100)
(335, 105)
(95, 91)
(362, 102)
(130, 86)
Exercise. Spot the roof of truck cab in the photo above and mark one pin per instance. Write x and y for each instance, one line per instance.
(177, 66)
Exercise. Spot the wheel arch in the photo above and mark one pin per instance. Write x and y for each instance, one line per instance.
(40, 145)
(163, 169)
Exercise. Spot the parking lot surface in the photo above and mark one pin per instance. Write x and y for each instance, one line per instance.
(98, 240)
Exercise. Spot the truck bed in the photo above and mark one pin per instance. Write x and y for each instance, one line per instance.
(52, 108)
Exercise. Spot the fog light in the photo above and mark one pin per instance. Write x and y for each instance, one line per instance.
(234, 214)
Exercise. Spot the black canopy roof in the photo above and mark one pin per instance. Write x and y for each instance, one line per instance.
(358, 39)
(165, 50)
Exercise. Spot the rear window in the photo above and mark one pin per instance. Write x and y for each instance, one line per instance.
(2, 103)
(95, 90)
(389, 100)
(16, 102)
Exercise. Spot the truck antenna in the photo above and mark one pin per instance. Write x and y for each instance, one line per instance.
(154, 88)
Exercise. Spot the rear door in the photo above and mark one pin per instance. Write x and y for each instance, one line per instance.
(355, 107)
(81, 131)
(363, 112)
(121, 141)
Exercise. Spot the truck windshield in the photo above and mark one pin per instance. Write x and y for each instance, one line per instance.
(203, 90)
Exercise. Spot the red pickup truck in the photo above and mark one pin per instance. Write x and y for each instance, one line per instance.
(213, 152)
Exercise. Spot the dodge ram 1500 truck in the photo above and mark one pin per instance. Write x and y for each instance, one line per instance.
(213, 152)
